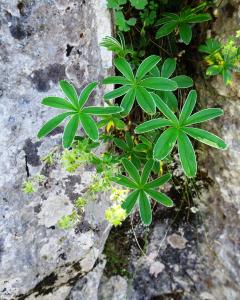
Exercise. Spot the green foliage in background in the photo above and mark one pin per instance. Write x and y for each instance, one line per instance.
(222, 58)
(181, 23)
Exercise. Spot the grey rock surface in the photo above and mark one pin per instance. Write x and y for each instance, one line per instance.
(41, 43)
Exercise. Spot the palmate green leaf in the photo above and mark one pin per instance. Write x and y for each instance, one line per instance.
(124, 181)
(205, 137)
(199, 18)
(160, 197)
(146, 171)
(165, 143)
(139, 4)
(142, 188)
(166, 29)
(145, 100)
(70, 131)
(131, 169)
(147, 65)
(119, 124)
(187, 155)
(100, 111)
(130, 201)
(183, 81)
(152, 125)
(188, 106)
(159, 83)
(117, 92)
(52, 124)
(127, 101)
(124, 67)
(145, 208)
(185, 33)
(168, 67)
(85, 93)
(211, 46)
(115, 4)
(227, 76)
(58, 102)
(165, 109)
(155, 72)
(214, 70)
(115, 80)
(89, 126)
(120, 144)
(170, 99)
(203, 115)
(70, 92)
(128, 139)
(122, 23)
(158, 182)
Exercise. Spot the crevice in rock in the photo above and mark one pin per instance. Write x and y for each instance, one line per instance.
(69, 50)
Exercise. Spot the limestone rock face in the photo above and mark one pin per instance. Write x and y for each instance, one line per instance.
(41, 43)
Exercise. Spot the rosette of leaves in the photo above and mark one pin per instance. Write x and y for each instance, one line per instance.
(179, 130)
(143, 190)
(181, 23)
(73, 105)
(222, 59)
(183, 81)
(137, 86)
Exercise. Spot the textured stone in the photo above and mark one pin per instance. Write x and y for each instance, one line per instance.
(41, 43)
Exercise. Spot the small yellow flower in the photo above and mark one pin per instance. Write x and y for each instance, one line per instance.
(110, 125)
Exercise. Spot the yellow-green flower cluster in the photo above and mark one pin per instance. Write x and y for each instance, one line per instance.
(80, 203)
(230, 50)
(118, 195)
(31, 185)
(72, 159)
(115, 215)
(68, 221)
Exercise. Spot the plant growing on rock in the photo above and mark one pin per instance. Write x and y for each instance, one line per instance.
(142, 189)
(179, 129)
(76, 112)
(148, 122)
(136, 87)
(181, 23)
(222, 59)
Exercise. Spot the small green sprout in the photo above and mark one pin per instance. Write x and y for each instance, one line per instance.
(29, 187)
(68, 221)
